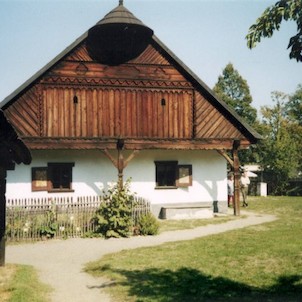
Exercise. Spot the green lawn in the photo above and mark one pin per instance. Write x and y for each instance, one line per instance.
(19, 283)
(259, 263)
(173, 225)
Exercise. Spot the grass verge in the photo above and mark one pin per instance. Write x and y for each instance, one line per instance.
(19, 283)
(173, 225)
(259, 263)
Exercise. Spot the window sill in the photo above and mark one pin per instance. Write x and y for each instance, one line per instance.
(165, 187)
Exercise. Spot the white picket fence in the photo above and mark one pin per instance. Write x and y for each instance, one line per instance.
(62, 217)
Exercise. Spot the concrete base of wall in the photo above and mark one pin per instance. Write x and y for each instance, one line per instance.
(183, 210)
(220, 207)
(186, 213)
(196, 210)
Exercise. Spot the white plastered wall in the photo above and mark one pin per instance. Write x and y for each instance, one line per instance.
(93, 172)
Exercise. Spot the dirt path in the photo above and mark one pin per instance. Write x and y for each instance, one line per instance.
(60, 262)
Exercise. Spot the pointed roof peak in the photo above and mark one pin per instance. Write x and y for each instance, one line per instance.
(121, 14)
(118, 37)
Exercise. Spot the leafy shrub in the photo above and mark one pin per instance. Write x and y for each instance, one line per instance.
(113, 218)
(49, 228)
(148, 224)
(48, 231)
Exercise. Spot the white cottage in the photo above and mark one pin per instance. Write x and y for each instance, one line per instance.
(119, 103)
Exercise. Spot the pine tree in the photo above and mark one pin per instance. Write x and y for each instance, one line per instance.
(234, 91)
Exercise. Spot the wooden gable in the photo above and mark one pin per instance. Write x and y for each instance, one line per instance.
(153, 101)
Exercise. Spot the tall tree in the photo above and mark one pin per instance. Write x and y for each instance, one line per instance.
(294, 114)
(294, 106)
(279, 150)
(234, 90)
(270, 21)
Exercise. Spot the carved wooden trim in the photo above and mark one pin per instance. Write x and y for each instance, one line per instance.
(194, 115)
(54, 81)
(115, 161)
(41, 109)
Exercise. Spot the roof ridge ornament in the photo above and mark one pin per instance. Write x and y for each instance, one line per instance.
(118, 38)
(121, 2)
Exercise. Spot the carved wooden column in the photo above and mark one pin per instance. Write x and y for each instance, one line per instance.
(120, 163)
(236, 165)
(12, 150)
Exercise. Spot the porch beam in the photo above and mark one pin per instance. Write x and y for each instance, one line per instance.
(226, 156)
(111, 158)
(120, 163)
(69, 143)
(130, 157)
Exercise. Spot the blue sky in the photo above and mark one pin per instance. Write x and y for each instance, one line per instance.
(205, 34)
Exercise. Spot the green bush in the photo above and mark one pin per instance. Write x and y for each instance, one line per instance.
(148, 225)
(49, 228)
(113, 218)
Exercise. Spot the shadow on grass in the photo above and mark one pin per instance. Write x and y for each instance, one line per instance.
(191, 285)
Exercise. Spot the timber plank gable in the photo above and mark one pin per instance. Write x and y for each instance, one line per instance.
(211, 123)
(24, 114)
(152, 101)
(129, 100)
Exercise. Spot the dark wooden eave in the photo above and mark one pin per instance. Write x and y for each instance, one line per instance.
(12, 148)
(59, 143)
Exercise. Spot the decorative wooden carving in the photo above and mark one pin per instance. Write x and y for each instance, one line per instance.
(81, 69)
(81, 82)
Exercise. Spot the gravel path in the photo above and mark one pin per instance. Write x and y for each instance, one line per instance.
(60, 262)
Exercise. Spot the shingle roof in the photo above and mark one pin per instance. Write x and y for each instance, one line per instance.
(120, 14)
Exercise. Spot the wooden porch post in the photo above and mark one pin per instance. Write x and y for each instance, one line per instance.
(120, 168)
(120, 163)
(12, 151)
(236, 165)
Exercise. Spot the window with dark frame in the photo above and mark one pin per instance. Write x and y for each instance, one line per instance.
(56, 177)
(170, 175)
(60, 176)
(166, 174)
